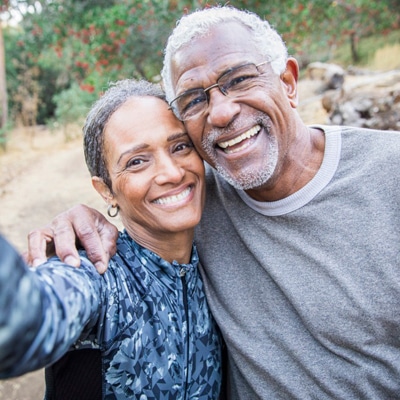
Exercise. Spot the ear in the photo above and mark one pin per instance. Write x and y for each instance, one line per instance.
(290, 78)
(103, 190)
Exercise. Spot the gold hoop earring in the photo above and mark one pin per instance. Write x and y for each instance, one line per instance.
(110, 207)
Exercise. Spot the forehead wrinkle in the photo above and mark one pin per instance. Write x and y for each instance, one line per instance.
(223, 70)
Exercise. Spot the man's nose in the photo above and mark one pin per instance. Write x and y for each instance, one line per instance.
(222, 109)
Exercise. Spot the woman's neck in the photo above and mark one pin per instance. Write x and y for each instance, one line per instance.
(169, 246)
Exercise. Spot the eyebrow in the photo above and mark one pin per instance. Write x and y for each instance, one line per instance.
(225, 71)
(143, 146)
(177, 136)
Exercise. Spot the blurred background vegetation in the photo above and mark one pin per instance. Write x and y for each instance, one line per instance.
(57, 56)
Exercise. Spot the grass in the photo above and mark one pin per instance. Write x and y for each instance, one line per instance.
(376, 52)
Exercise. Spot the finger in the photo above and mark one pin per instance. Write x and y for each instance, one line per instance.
(25, 257)
(95, 234)
(108, 236)
(99, 241)
(39, 243)
(64, 240)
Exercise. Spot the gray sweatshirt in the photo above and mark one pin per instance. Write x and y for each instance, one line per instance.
(306, 290)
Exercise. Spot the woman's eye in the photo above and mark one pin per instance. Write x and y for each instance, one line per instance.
(184, 146)
(134, 162)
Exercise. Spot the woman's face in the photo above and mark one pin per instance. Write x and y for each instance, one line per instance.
(157, 176)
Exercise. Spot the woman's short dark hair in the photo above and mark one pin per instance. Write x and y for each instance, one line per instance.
(93, 131)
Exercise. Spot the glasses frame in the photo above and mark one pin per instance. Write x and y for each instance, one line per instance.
(208, 88)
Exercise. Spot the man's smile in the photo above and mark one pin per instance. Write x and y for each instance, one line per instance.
(238, 143)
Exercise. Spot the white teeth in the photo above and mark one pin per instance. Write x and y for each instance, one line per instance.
(173, 199)
(246, 135)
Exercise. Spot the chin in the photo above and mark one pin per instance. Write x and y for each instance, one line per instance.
(176, 225)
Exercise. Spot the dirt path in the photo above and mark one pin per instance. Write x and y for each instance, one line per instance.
(43, 181)
(37, 183)
(39, 178)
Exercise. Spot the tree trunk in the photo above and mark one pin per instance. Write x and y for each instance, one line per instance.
(3, 86)
(353, 44)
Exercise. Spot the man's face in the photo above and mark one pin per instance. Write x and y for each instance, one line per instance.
(246, 137)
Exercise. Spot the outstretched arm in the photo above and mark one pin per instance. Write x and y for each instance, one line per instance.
(79, 224)
(43, 312)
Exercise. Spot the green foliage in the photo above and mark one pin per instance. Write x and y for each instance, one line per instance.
(73, 104)
(313, 29)
(367, 49)
(4, 135)
(32, 71)
(72, 48)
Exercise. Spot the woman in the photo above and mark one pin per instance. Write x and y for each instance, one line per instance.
(144, 325)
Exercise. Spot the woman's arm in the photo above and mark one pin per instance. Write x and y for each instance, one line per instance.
(43, 311)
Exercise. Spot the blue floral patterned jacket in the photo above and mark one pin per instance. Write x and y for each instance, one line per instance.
(148, 318)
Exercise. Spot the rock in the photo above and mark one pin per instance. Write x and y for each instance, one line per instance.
(331, 75)
(374, 104)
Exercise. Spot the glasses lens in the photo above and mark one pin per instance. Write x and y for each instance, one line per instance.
(232, 83)
(239, 79)
(190, 103)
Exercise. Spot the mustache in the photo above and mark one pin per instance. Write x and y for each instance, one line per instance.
(237, 125)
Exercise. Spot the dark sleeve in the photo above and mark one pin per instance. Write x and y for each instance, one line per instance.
(43, 311)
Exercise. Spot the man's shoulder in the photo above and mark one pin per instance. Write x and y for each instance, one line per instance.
(370, 149)
(362, 141)
(370, 131)
(356, 130)
(358, 133)
(374, 141)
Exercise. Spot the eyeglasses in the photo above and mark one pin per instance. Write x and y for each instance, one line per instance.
(232, 83)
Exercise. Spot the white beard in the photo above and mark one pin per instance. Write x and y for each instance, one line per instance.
(250, 179)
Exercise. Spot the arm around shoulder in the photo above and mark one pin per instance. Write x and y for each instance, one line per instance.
(80, 224)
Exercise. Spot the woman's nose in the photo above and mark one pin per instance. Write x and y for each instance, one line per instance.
(169, 170)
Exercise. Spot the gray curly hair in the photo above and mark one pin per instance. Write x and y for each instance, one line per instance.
(96, 121)
(197, 24)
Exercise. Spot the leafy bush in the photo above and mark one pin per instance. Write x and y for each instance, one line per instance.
(73, 104)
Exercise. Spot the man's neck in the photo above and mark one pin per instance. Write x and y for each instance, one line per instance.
(299, 167)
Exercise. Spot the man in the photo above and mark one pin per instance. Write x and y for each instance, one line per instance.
(300, 238)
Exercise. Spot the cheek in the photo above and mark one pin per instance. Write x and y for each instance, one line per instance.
(118, 184)
(128, 190)
(202, 153)
(195, 131)
(198, 162)
(197, 168)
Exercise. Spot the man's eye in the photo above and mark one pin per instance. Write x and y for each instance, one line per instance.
(238, 81)
(192, 101)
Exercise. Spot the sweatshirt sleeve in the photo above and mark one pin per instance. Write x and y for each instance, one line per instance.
(43, 311)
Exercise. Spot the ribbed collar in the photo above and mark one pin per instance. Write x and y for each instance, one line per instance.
(303, 196)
